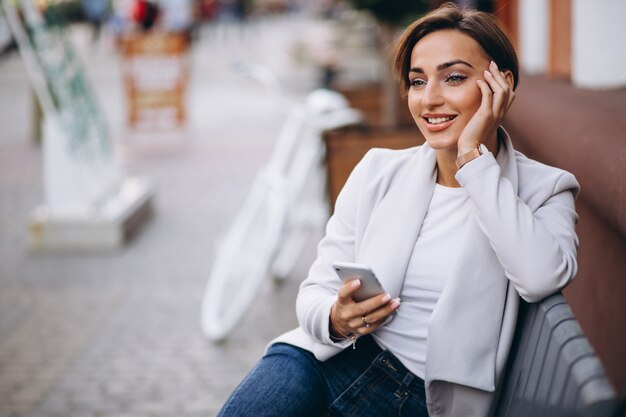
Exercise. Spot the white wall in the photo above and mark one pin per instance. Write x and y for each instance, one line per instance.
(533, 35)
(599, 43)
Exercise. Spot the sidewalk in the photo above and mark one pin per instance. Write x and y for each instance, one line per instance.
(118, 334)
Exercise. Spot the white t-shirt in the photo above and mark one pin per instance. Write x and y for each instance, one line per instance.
(435, 251)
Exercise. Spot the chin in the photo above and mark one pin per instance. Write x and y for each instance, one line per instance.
(439, 140)
(441, 144)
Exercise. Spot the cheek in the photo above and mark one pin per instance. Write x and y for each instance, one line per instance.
(415, 104)
(467, 100)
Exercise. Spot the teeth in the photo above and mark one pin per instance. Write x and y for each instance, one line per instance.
(436, 120)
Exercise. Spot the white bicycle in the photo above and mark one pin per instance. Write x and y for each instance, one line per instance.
(286, 203)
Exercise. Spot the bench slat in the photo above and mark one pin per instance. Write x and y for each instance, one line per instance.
(552, 369)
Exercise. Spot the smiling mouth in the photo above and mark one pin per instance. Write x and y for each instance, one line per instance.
(438, 120)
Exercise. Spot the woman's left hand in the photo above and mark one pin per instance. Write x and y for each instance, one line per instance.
(497, 97)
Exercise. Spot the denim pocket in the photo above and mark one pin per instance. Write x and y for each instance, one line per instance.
(375, 393)
(363, 397)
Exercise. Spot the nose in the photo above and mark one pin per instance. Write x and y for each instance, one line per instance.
(431, 95)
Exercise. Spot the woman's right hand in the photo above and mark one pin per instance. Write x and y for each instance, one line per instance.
(348, 317)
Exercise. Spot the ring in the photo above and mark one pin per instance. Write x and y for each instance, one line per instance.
(365, 322)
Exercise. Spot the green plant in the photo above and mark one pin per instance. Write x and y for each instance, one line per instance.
(63, 12)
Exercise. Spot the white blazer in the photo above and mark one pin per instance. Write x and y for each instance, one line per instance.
(523, 244)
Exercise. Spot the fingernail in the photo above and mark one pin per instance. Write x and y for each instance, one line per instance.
(355, 283)
(494, 64)
(385, 298)
(395, 303)
(487, 73)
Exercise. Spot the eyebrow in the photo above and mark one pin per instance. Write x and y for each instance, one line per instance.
(443, 66)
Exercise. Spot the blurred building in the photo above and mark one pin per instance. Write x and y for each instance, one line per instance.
(578, 40)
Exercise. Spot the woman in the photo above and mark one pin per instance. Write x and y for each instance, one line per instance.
(457, 230)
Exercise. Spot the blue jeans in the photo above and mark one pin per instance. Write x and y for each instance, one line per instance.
(367, 381)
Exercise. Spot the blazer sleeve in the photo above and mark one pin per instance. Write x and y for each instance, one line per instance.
(534, 235)
(319, 290)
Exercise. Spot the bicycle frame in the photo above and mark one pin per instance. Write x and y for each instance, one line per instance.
(286, 201)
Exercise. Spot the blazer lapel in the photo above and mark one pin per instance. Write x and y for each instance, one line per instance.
(463, 333)
(395, 222)
(506, 159)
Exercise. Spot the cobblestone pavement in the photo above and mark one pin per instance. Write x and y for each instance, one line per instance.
(117, 334)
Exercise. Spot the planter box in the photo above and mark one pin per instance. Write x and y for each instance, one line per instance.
(345, 148)
(368, 98)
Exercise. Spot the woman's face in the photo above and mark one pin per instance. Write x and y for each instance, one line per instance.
(443, 94)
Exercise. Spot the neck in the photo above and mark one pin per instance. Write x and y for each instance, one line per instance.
(446, 168)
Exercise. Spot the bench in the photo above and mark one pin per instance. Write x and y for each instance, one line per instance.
(552, 370)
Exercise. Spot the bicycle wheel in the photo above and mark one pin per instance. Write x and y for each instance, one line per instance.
(243, 259)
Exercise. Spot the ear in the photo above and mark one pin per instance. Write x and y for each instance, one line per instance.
(508, 76)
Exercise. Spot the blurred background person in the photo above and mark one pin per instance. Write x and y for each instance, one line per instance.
(145, 13)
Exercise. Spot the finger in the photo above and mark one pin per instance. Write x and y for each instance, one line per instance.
(381, 314)
(371, 304)
(498, 76)
(344, 296)
(507, 88)
(490, 79)
(362, 309)
(375, 318)
(501, 78)
(487, 95)
(349, 310)
(362, 327)
(366, 326)
(358, 325)
(495, 86)
(500, 95)
(353, 312)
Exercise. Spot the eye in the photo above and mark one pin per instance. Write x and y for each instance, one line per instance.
(417, 82)
(455, 78)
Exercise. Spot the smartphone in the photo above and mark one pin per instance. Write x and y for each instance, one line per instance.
(370, 286)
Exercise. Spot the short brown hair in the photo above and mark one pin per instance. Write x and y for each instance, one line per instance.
(483, 27)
